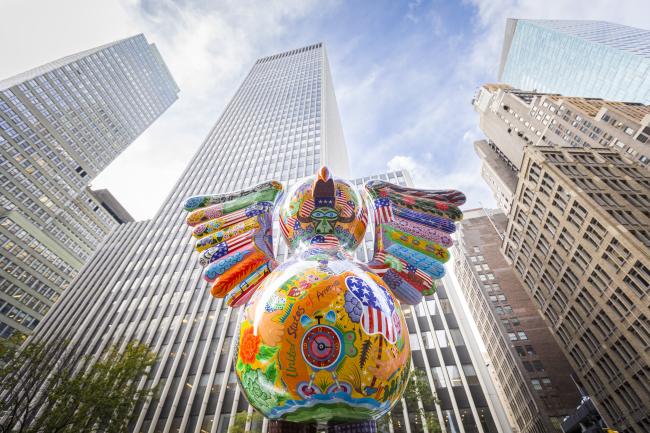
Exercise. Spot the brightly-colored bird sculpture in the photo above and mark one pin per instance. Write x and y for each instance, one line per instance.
(322, 338)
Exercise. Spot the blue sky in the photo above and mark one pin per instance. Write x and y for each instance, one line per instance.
(404, 73)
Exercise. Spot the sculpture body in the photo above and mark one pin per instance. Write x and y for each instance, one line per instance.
(323, 340)
(322, 336)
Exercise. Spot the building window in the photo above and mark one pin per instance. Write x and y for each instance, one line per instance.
(438, 377)
(522, 335)
(512, 336)
(530, 350)
(454, 375)
(451, 424)
(441, 336)
(537, 386)
(457, 337)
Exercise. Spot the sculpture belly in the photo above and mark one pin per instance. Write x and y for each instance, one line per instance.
(323, 341)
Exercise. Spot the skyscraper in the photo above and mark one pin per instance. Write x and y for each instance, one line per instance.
(528, 365)
(145, 283)
(579, 58)
(513, 119)
(578, 239)
(60, 125)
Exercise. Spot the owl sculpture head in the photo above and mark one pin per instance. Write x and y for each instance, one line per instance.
(324, 210)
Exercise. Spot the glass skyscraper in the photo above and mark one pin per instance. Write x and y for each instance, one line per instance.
(145, 282)
(60, 125)
(578, 58)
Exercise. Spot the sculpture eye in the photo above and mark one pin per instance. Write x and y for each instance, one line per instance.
(317, 214)
(331, 214)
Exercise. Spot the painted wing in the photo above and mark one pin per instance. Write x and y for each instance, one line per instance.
(234, 239)
(413, 230)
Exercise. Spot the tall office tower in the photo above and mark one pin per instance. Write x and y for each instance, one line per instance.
(578, 238)
(529, 367)
(513, 119)
(593, 59)
(145, 283)
(60, 125)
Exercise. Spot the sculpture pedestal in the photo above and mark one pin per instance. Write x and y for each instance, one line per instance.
(276, 426)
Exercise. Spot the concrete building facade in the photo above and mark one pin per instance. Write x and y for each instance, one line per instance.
(578, 237)
(145, 282)
(60, 125)
(528, 365)
(594, 59)
(513, 119)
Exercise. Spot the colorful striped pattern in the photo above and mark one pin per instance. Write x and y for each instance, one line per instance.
(230, 219)
(234, 239)
(306, 207)
(390, 260)
(423, 231)
(219, 267)
(415, 243)
(434, 207)
(383, 211)
(342, 202)
(419, 260)
(201, 201)
(249, 224)
(218, 251)
(242, 291)
(412, 234)
(451, 196)
(435, 222)
(237, 274)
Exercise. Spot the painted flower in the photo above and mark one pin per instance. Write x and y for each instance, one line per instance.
(249, 347)
(257, 388)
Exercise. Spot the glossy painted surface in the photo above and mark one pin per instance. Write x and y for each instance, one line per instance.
(323, 337)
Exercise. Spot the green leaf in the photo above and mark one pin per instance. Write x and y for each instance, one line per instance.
(266, 352)
(271, 373)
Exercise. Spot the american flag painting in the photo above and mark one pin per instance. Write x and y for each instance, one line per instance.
(364, 215)
(283, 227)
(383, 211)
(325, 240)
(238, 242)
(378, 308)
(346, 206)
(232, 218)
(406, 267)
(306, 207)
